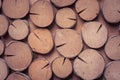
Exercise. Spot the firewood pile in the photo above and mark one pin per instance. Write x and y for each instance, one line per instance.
(59, 39)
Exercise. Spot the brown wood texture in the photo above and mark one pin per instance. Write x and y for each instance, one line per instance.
(62, 67)
(62, 3)
(41, 13)
(112, 71)
(18, 55)
(87, 9)
(46, 44)
(65, 18)
(18, 29)
(41, 41)
(40, 70)
(3, 25)
(89, 65)
(18, 76)
(66, 46)
(2, 47)
(4, 69)
(111, 8)
(94, 34)
(15, 8)
(112, 48)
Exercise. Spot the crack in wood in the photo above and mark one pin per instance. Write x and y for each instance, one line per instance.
(99, 28)
(37, 36)
(9, 55)
(25, 23)
(72, 19)
(13, 25)
(82, 11)
(119, 45)
(118, 11)
(15, 2)
(82, 60)
(60, 45)
(34, 14)
(63, 61)
(45, 66)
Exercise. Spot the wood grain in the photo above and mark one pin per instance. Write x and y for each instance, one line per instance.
(66, 18)
(66, 46)
(62, 3)
(4, 69)
(112, 71)
(18, 55)
(40, 70)
(2, 47)
(18, 29)
(40, 40)
(18, 76)
(89, 64)
(94, 34)
(15, 8)
(41, 17)
(112, 48)
(41, 13)
(62, 67)
(87, 9)
(3, 25)
(111, 10)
